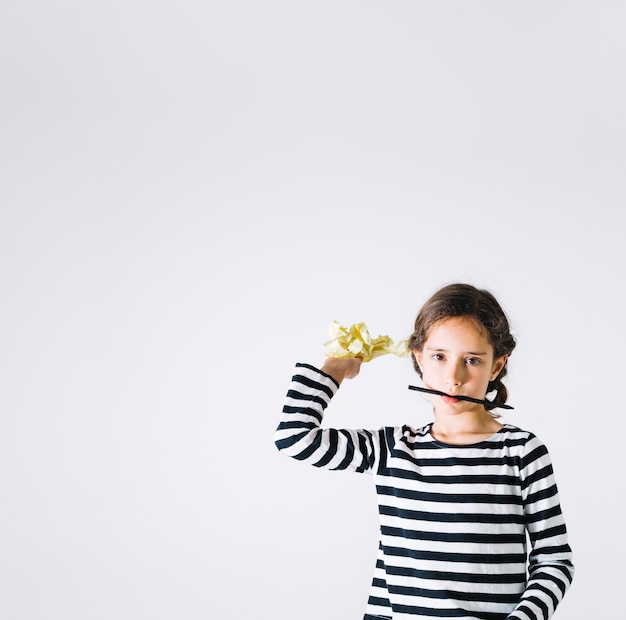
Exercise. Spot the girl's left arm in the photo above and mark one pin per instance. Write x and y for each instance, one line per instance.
(551, 569)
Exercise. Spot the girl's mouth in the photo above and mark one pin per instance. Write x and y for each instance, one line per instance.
(449, 399)
(453, 399)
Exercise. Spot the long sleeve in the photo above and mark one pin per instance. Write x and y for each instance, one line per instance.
(550, 562)
(300, 436)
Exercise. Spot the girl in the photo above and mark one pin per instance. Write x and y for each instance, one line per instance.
(458, 497)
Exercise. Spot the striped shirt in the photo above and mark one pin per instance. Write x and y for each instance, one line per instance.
(455, 521)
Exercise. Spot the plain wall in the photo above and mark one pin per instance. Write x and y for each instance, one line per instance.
(192, 192)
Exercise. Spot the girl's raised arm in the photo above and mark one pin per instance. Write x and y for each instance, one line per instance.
(300, 434)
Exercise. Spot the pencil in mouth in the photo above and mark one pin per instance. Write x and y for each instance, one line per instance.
(459, 397)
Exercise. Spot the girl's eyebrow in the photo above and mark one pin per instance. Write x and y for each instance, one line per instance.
(466, 352)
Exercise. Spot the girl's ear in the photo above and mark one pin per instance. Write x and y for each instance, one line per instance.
(418, 358)
(498, 365)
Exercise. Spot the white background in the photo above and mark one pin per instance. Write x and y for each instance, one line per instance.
(192, 191)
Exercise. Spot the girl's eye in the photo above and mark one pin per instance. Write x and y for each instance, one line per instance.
(438, 357)
(473, 361)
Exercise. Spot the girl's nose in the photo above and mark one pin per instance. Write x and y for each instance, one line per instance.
(454, 376)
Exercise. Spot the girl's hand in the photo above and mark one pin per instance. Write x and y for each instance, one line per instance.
(340, 368)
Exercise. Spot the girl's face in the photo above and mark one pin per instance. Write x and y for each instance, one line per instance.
(457, 359)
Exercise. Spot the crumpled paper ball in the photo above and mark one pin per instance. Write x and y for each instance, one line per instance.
(355, 341)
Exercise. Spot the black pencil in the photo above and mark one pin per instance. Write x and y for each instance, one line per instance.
(460, 397)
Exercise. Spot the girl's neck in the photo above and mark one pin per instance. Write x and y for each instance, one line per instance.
(467, 428)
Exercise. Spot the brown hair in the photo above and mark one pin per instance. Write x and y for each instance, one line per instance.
(481, 306)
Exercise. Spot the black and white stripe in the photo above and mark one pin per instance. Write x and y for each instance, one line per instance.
(454, 520)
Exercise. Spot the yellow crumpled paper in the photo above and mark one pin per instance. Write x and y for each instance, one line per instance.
(355, 341)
